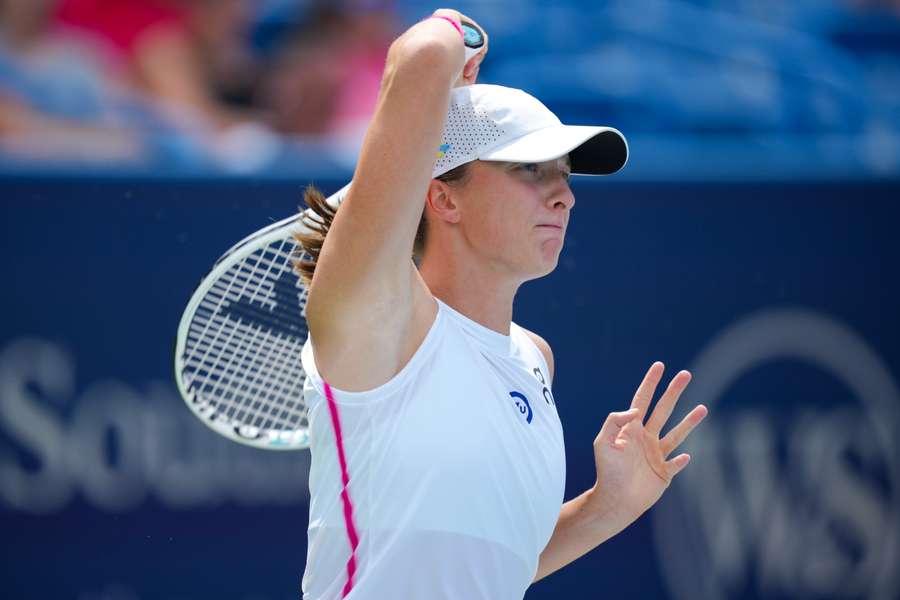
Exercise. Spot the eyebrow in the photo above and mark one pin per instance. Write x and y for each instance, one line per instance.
(512, 165)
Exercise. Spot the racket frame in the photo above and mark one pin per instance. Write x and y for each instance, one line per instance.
(207, 412)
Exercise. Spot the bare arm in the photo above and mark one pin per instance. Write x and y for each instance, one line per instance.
(596, 515)
(581, 527)
(362, 296)
(633, 471)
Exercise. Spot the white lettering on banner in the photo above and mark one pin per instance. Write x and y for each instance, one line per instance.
(118, 591)
(159, 447)
(806, 506)
(48, 488)
(111, 591)
(108, 406)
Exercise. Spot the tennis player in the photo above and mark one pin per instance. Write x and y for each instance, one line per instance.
(438, 465)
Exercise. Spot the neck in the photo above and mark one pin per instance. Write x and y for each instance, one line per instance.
(480, 293)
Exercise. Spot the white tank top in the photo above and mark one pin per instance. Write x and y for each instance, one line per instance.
(455, 467)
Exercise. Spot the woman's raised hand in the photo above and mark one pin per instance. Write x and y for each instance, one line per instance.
(470, 70)
(633, 469)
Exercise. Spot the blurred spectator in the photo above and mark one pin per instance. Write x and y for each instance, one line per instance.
(325, 80)
(54, 90)
(198, 83)
(187, 56)
(178, 51)
(128, 79)
(300, 88)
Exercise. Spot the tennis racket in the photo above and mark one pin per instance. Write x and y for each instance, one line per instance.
(237, 350)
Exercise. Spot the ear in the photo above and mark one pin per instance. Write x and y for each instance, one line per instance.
(441, 200)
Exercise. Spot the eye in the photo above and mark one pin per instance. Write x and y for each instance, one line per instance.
(529, 170)
(539, 170)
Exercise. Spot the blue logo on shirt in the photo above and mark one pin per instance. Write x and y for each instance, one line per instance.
(523, 405)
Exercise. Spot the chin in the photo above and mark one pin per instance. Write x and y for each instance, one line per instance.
(543, 269)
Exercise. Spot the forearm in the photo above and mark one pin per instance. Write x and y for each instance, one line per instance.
(583, 525)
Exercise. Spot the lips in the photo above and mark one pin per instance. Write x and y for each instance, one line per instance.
(551, 230)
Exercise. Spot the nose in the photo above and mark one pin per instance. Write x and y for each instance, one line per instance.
(560, 194)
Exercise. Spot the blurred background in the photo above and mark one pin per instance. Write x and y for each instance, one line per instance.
(751, 238)
(705, 89)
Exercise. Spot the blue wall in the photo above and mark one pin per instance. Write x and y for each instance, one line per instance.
(781, 298)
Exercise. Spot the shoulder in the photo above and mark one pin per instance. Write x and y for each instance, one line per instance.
(544, 347)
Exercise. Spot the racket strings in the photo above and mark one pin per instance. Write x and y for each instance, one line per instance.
(255, 391)
(268, 360)
(278, 411)
(245, 273)
(244, 342)
(242, 354)
(250, 376)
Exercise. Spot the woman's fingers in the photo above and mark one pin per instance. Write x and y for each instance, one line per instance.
(644, 393)
(666, 404)
(679, 433)
(674, 466)
(448, 12)
(613, 425)
(470, 71)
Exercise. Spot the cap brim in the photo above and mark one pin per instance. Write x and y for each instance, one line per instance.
(592, 150)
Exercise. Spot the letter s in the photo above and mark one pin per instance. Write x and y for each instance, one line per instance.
(38, 432)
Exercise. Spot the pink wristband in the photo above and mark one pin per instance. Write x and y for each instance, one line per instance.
(452, 22)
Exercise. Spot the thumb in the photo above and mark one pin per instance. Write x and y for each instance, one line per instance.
(470, 71)
(614, 423)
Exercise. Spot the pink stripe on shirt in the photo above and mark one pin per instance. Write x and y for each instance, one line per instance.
(345, 495)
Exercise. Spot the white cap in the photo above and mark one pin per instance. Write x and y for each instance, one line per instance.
(497, 123)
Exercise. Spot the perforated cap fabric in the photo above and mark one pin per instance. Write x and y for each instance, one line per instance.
(498, 123)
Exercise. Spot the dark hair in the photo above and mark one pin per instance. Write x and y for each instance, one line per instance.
(310, 244)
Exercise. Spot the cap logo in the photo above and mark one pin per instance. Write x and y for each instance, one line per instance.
(442, 150)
